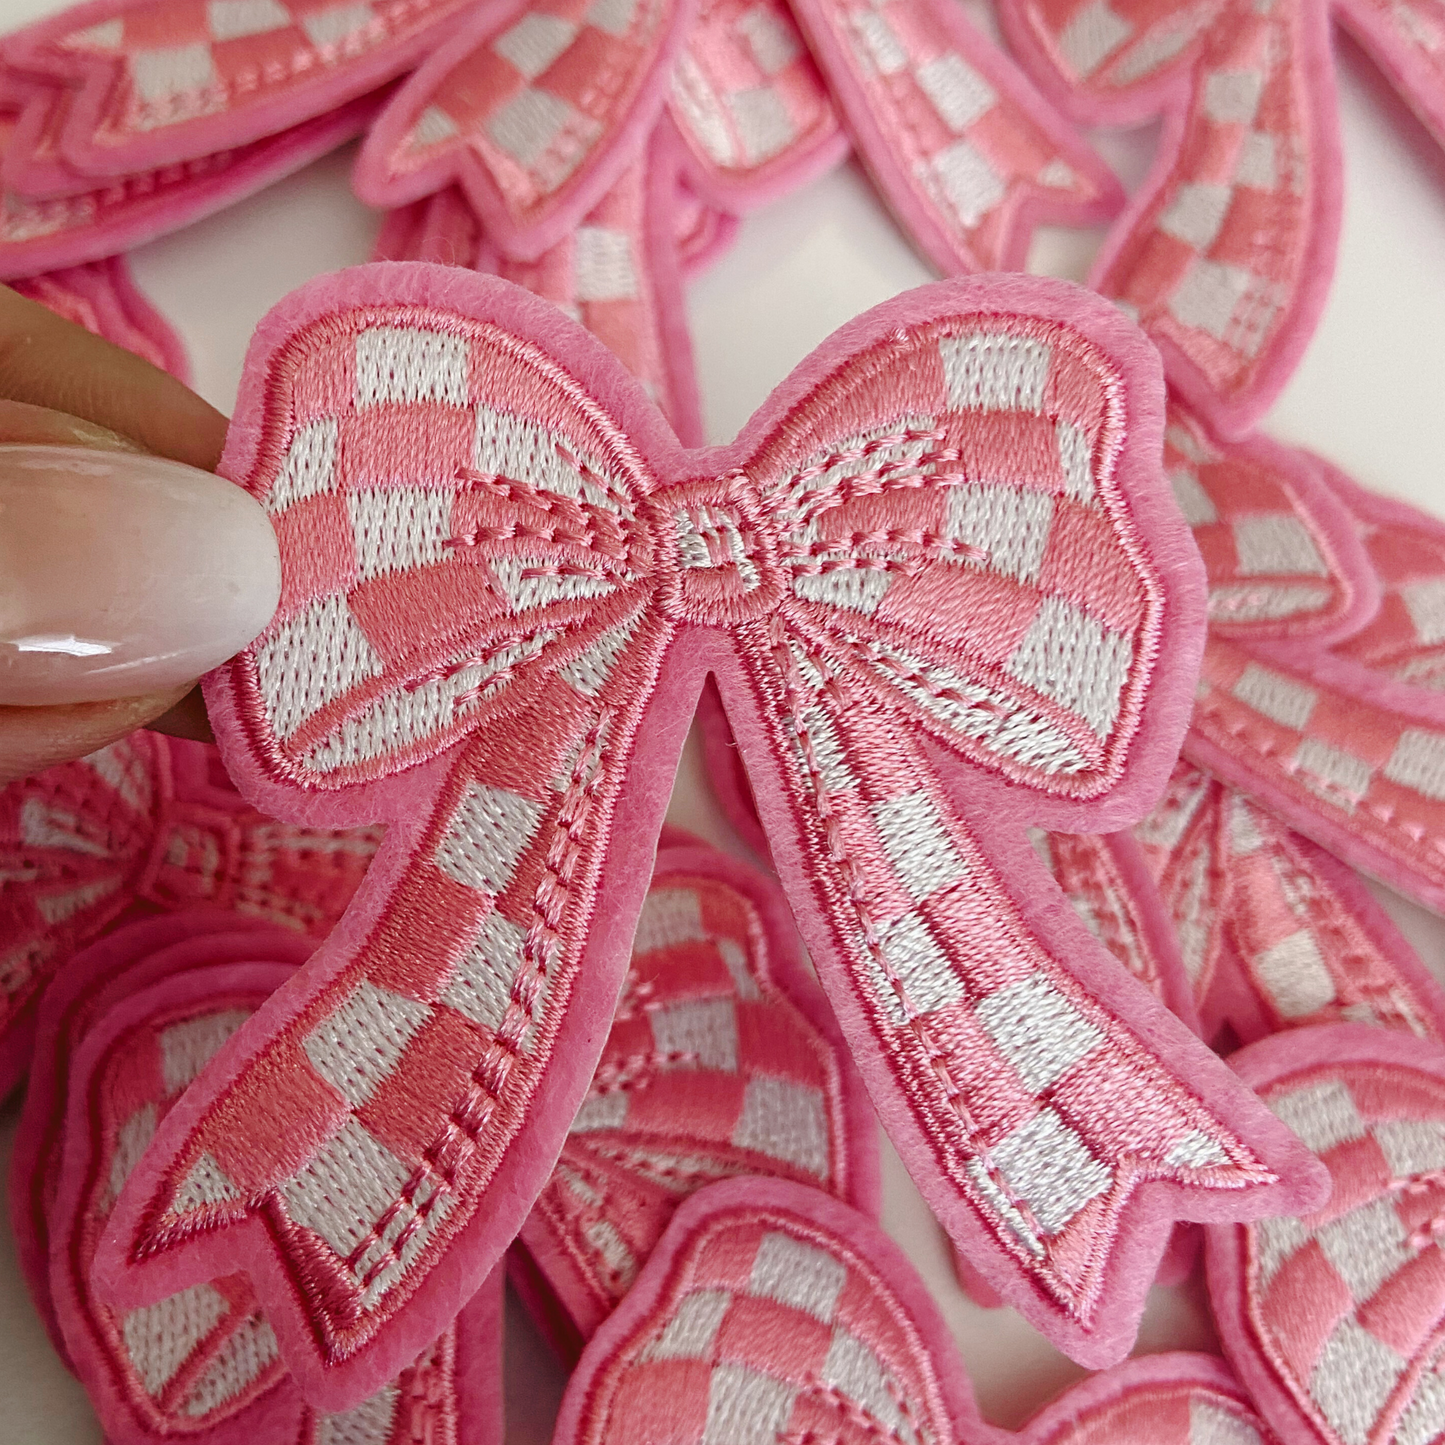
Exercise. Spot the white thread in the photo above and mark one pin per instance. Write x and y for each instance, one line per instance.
(358, 1045)
(1094, 33)
(534, 42)
(689, 1334)
(159, 1338)
(785, 1121)
(793, 1273)
(959, 93)
(704, 1029)
(1323, 1115)
(1049, 1167)
(1277, 697)
(1037, 1030)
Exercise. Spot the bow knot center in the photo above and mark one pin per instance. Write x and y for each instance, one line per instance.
(721, 563)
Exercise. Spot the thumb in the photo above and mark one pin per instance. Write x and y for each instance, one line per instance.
(123, 575)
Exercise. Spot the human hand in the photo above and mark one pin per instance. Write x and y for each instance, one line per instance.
(126, 569)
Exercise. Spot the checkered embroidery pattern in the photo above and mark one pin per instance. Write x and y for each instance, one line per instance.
(1270, 566)
(477, 560)
(1084, 866)
(612, 275)
(1215, 263)
(771, 1328)
(1332, 753)
(1179, 841)
(1286, 947)
(203, 1355)
(174, 61)
(710, 1071)
(196, 1362)
(954, 985)
(951, 131)
(1405, 640)
(1344, 1305)
(746, 94)
(533, 102)
(149, 825)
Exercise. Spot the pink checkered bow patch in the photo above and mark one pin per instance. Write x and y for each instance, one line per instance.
(100, 217)
(723, 1060)
(533, 110)
(1274, 932)
(750, 105)
(1225, 255)
(122, 1037)
(147, 825)
(1316, 697)
(102, 298)
(1106, 878)
(1333, 1319)
(943, 542)
(772, 1313)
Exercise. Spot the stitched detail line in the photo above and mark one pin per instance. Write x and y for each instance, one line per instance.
(471, 1114)
(872, 936)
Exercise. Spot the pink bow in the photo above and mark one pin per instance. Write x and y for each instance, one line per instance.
(504, 585)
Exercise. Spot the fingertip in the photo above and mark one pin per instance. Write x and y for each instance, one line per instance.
(35, 738)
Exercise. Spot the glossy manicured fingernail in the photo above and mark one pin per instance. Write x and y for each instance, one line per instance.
(122, 573)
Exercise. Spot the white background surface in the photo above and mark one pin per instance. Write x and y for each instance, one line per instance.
(1368, 395)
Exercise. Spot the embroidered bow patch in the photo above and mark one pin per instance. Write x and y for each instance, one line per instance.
(944, 597)
(773, 1313)
(1226, 254)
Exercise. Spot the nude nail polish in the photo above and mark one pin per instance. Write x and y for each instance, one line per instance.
(122, 573)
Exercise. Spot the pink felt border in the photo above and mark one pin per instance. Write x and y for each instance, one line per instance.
(321, 93)
(167, 206)
(570, 1316)
(1168, 93)
(375, 183)
(1298, 1051)
(132, 958)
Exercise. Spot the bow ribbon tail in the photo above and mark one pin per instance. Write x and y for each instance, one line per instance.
(453, 1017)
(1026, 1093)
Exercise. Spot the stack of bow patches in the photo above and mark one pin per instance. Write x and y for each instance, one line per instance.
(953, 621)
(589, 151)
